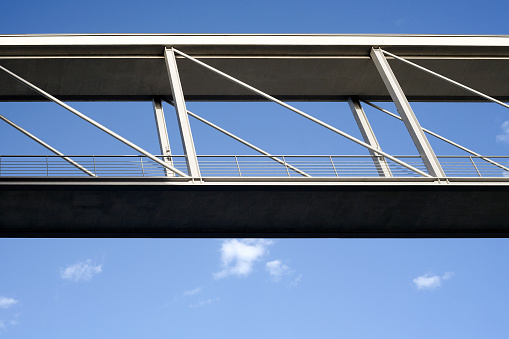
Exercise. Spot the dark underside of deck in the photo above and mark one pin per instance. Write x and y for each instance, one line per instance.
(156, 209)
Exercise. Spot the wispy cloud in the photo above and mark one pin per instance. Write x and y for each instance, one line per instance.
(430, 281)
(203, 303)
(7, 302)
(82, 271)
(296, 281)
(504, 137)
(4, 324)
(277, 269)
(192, 292)
(239, 256)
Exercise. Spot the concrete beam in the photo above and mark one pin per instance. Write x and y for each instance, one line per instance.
(299, 67)
(121, 208)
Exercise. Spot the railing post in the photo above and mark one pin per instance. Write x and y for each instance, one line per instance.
(407, 114)
(238, 167)
(286, 166)
(180, 107)
(333, 167)
(95, 169)
(142, 169)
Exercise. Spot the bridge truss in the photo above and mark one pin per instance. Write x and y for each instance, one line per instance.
(375, 194)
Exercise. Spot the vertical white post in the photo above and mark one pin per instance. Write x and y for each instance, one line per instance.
(183, 120)
(369, 137)
(162, 133)
(407, 114)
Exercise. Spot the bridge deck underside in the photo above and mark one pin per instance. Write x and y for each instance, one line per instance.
(291, 78)
(159, 209)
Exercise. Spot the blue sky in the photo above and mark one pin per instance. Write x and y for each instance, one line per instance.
(258, 288)
(156, 16)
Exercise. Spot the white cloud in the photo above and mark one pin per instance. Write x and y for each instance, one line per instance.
(192, 292)
(504, 137)
(431, 282)
(276, 269)
(239, 256)
(427, 281)
(82, 271)
(203, 303)
(296, 281)
(7, 302)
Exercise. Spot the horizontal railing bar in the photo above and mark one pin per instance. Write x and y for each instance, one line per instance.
(251, 166)
(255, 156)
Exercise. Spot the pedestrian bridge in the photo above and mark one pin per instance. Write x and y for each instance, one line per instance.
(373, 194)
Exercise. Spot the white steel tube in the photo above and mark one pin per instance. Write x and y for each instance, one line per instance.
(93, 122)
(405, 110)
(54, 150)
(369, 136)
(473, 163)
(447, 79)
(162, 133)
(259, 150)
(305, 115)
(183, 120)
(439, 137)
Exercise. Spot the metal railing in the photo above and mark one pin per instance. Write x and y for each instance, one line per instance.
(243, 166)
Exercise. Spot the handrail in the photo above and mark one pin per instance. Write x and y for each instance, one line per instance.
(242, 155)
(244, 166)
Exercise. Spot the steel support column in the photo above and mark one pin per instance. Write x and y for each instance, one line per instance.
(407, 114)
(369, 137)
(162, 134)
(180, 107)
